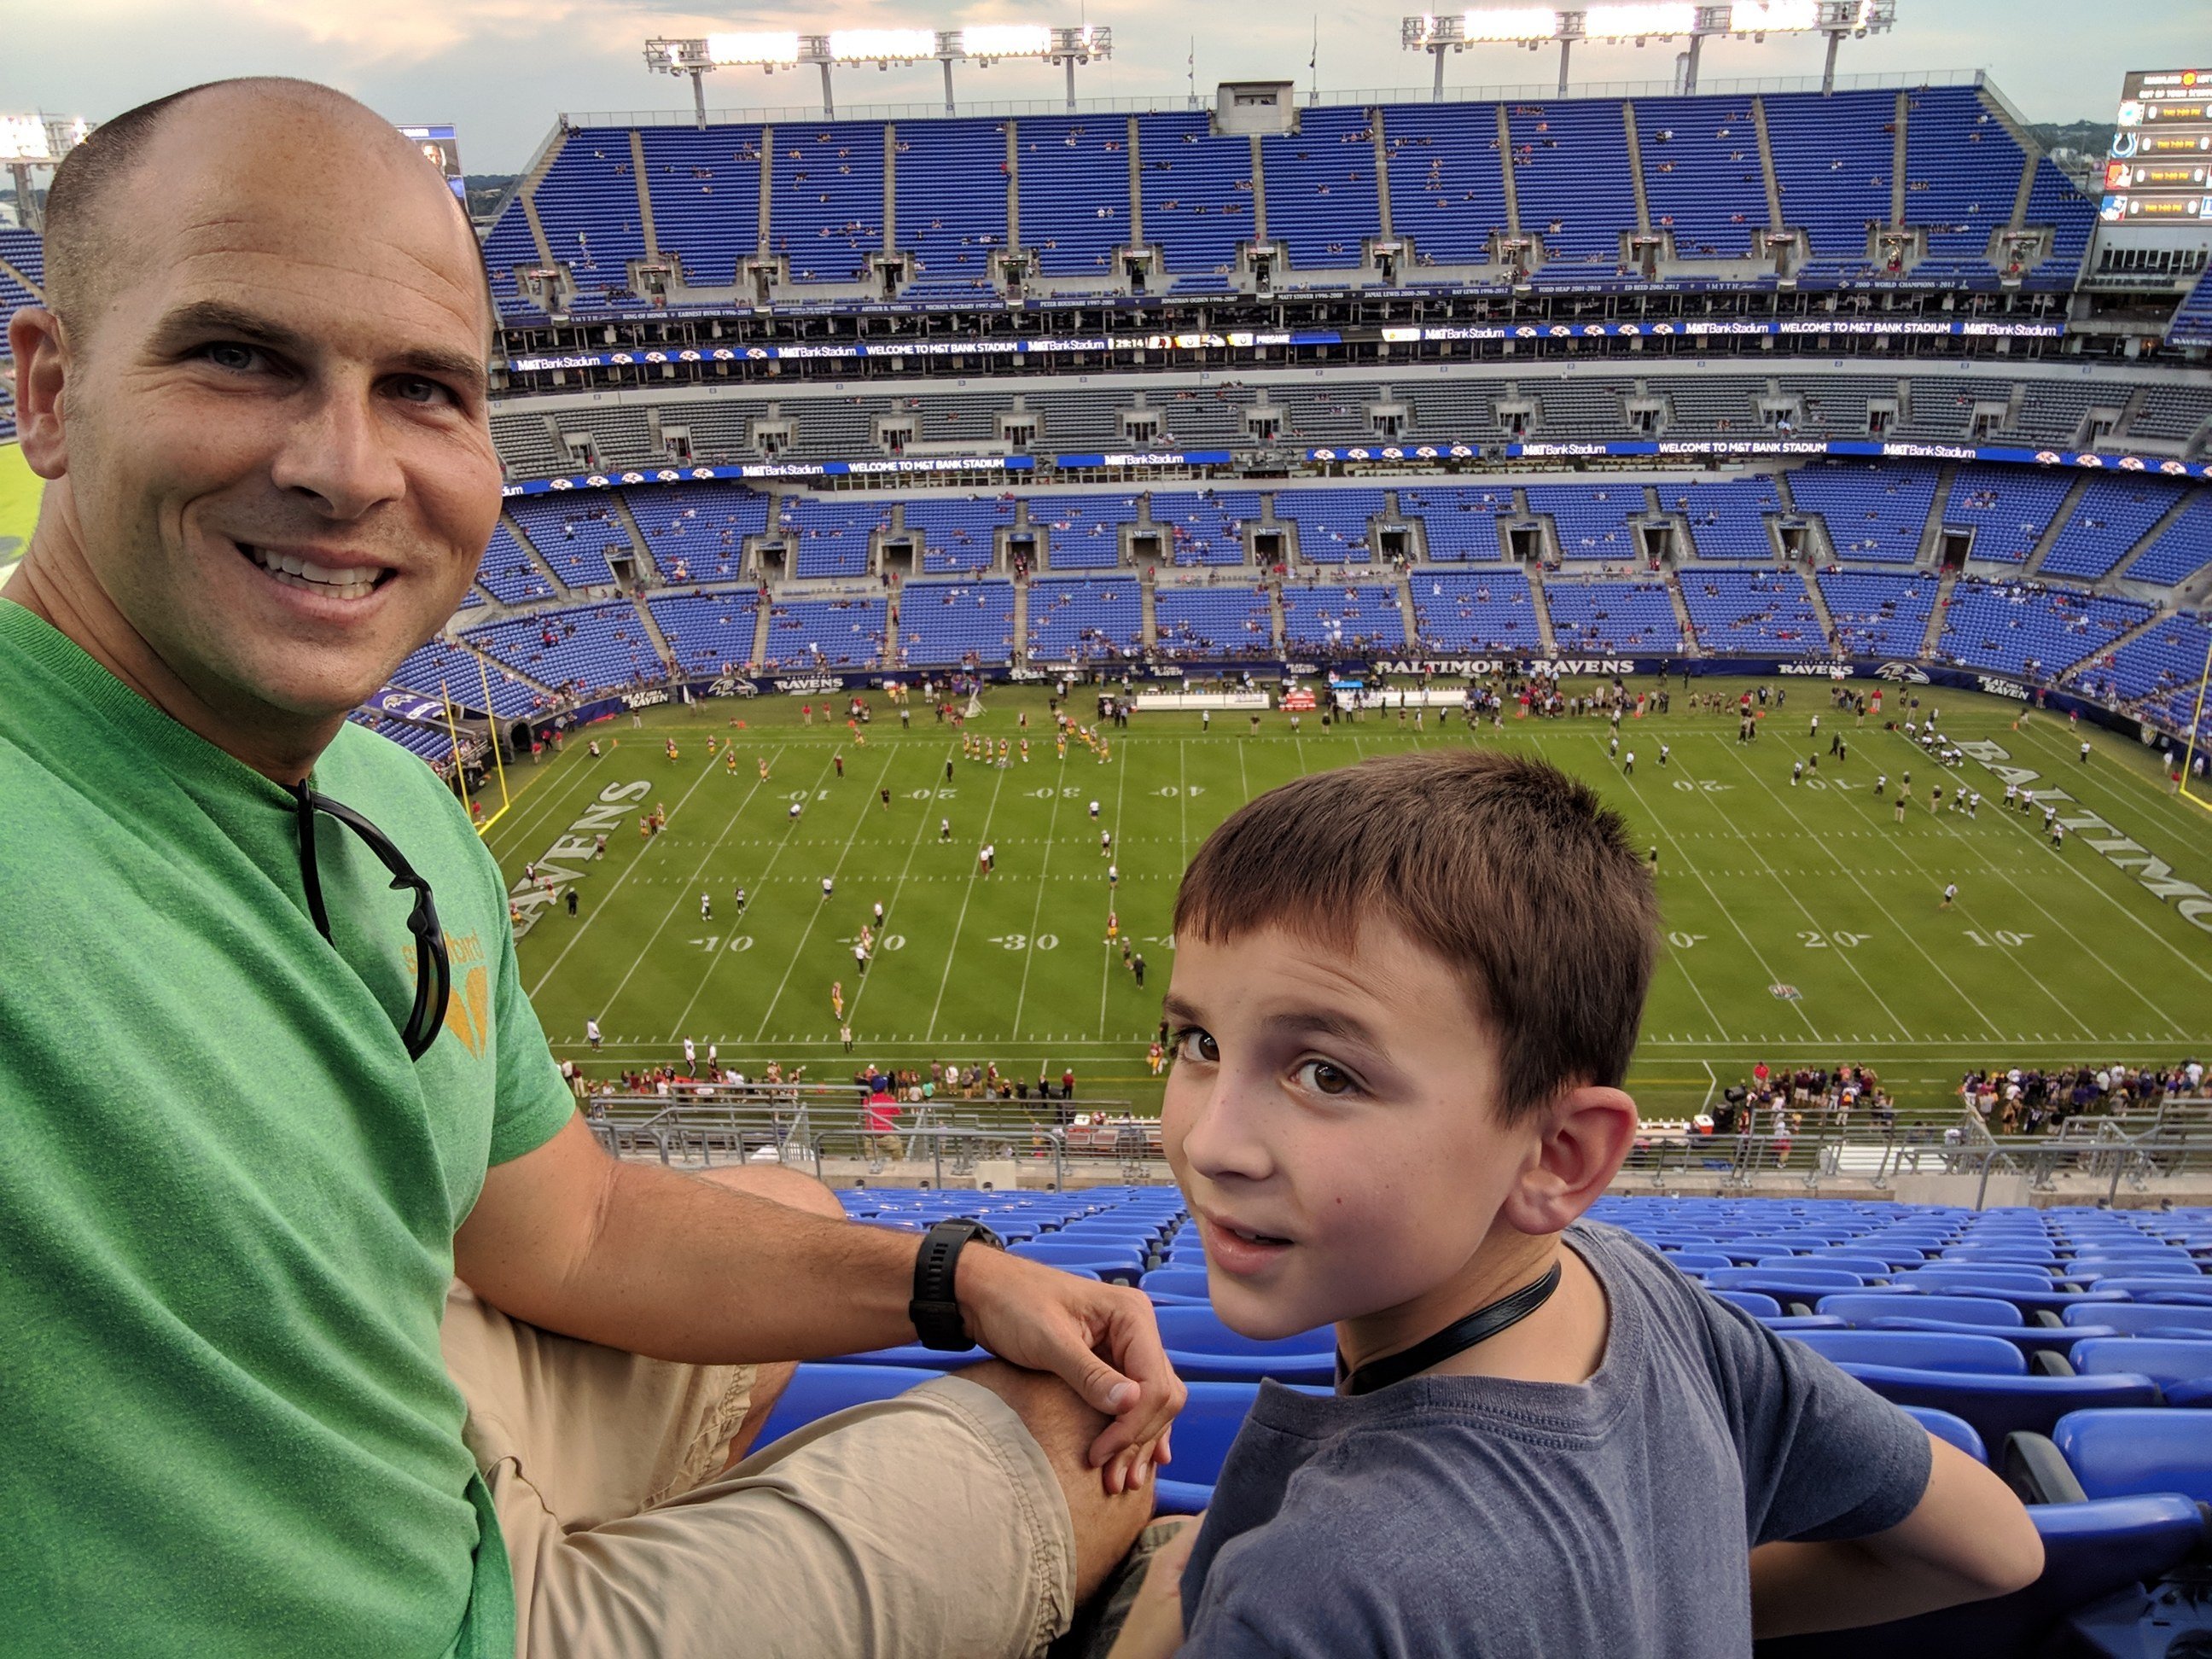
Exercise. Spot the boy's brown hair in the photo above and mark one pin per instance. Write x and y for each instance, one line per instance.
(1513, 872)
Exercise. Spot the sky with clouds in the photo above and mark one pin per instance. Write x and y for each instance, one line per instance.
(500, 69)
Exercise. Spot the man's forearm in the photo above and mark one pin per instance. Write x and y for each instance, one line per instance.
(1796, 1589)
(678, 1268)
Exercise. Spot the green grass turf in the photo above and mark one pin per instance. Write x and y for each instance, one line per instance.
(2048, 956)
(20, 489)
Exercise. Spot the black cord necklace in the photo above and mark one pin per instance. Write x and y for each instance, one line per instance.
(1457, 1337)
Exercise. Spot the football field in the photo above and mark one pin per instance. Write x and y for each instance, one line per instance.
(1801, 920)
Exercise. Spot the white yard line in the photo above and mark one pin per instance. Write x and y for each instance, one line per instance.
(2006, 877)
(952, 945)
(861, 990)
(1106, 967)
(1765, 967)
(1036, 911)
(631, 869)
(815, 914)
(552, 794)
(1887, 914)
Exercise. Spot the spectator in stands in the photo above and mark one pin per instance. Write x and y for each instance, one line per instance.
(1396, 1089)
(229, 1388)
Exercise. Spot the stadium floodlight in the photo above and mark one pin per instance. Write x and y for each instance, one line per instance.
(985, 41)
(1773, 17)
(1638, 23)
(882, 47)
(1657, 19)
(772, 50)
(982, 43)
(28, 142)
(23, 138)
(700, 57)
(1514, 23)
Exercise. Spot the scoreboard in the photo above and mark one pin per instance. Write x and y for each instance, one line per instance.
(443, 151)
(2159, 171)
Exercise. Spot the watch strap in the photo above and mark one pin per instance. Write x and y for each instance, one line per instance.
(935, 1310)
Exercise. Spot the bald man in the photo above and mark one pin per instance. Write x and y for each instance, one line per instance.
(272, 1083)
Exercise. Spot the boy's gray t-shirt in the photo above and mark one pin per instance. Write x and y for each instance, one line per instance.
(1479, 1516)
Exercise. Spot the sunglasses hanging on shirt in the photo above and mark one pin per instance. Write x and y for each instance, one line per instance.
(433, 971)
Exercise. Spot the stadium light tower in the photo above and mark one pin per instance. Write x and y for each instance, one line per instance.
(1534, 26)
(982, 44)
(29, 142)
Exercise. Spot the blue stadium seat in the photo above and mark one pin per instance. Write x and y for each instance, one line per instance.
(1176, 1281)
(2167, 1288)
(1872, 1268)
(2000, 1406)
(2181, 1366)
(2142, 1318)
(1202, 1348)
(816, 1390)
(1123, 1264)
(2011, 1270)
(1933, 1351)
(1754, 1302)
(2090, 1551)
(1865, 1308)
(1945, 1426)
(1699, 1262)
(1204, 1432)
(2124, 1453)
(1785, 1285)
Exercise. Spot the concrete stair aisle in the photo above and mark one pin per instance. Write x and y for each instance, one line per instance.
(1896, 180)
(2071, 675)
(644, 195)
(1401, 585)
(529, 547)
(1931, 533)
(1535, 570)
(2060, 515)
(1382, 174)
(1021, 645)
(1943, 587)
(1136, 189)
(767, 191)
(1512, 191)
(1635, 166)
(1819, 604)
(1259, 192)
(1275, 615)
(2134, 406)
(641, 557)
(760, 637)
(528, 192)
(2166, 522)
(660, 644)
(1148, 629)
(2029, 151)
(22, 277)
(1691, 645)
(495, 667)
(891, 657)
(1775, 220)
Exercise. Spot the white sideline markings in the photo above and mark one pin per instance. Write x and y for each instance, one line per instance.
(815, 914)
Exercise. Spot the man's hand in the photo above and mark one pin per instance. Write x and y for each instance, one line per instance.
(1154, 1628)
(1100, 1338)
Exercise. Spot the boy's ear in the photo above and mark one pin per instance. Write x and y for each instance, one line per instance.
(1586, 1134)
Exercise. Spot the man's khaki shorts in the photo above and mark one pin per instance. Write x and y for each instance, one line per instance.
(930, 1524)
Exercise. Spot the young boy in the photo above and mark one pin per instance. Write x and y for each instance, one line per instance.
(1396, 1087)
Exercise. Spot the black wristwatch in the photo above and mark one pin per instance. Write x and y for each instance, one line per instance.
(935, 1310)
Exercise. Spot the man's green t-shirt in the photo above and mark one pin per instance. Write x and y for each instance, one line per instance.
(227, 1198)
